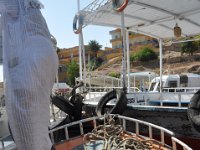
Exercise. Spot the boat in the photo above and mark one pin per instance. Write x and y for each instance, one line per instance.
(177, 89)
(113, 133)
(107, 13)
(164, 21)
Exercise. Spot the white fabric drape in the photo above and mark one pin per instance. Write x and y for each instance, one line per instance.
(30, 66)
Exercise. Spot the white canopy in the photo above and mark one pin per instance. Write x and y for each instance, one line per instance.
(155, 18)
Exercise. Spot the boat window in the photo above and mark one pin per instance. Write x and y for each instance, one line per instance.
(152, 86)
(172, 84)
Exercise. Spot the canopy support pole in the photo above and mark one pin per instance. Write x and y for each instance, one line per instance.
(84, 60)
(161, 67)
(128, 59)
(123, 34)
(80, 50)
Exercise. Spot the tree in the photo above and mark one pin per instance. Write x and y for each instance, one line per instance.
(72, 71)
(58, 50)
(94, 46)
(189, 47)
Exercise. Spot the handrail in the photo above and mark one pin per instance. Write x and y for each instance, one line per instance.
(137, 122)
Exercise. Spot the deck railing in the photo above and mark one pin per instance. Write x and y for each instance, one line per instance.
(177, 96)
(123, 120)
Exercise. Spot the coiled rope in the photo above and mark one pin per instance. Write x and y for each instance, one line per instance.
(113, 138)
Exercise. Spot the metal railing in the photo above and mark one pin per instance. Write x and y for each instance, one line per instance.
(177, 96)
(162, 131)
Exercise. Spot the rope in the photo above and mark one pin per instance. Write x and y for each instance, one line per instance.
(112, 136)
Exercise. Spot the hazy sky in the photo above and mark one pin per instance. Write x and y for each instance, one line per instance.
(59, 15)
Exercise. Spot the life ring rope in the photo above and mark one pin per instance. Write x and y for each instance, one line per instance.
(121, 8)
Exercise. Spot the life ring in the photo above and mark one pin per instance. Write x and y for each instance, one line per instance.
(194, 111)
(116, 7)
(118, 108)
(77, 18)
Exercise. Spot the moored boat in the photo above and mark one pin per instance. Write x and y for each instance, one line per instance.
(112, 133)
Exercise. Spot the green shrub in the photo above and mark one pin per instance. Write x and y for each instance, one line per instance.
(145, 54)
(114, 74)
(73, 71)
(94, 63)
(189, 47)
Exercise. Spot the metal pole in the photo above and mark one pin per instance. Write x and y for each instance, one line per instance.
(161, 65)
(134, 82)
(123, 33)
(128, 58)
(84, 63)
(80, 49)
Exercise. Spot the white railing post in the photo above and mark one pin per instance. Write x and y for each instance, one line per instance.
(137, 128)
(150, 132)
(174, 145)
(162, 137)
(124, 124)
(179, 99)
(81, 128)
(66, 133)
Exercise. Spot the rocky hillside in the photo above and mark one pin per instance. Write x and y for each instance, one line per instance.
(173, 63)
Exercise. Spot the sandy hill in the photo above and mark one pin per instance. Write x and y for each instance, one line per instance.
(173, 63)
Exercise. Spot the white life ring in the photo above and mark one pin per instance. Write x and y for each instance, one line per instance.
(116, 7)
(78, 18)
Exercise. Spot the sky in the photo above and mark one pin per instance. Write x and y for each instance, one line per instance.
(59, 16)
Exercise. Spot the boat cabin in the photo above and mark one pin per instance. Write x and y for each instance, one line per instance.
(170, 82)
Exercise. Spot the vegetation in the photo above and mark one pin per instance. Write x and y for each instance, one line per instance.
(190, 47)
(92, 65)
(114, 74)
(145, 54)
(58, 49)
(94, 46)
(72, 71)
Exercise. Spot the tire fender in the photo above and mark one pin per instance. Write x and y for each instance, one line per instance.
(118, 108)
(193, 111)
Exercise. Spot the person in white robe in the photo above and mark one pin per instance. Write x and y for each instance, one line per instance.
(30, 66)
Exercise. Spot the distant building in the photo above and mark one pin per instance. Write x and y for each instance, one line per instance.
(71, 54)
(136, 41)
